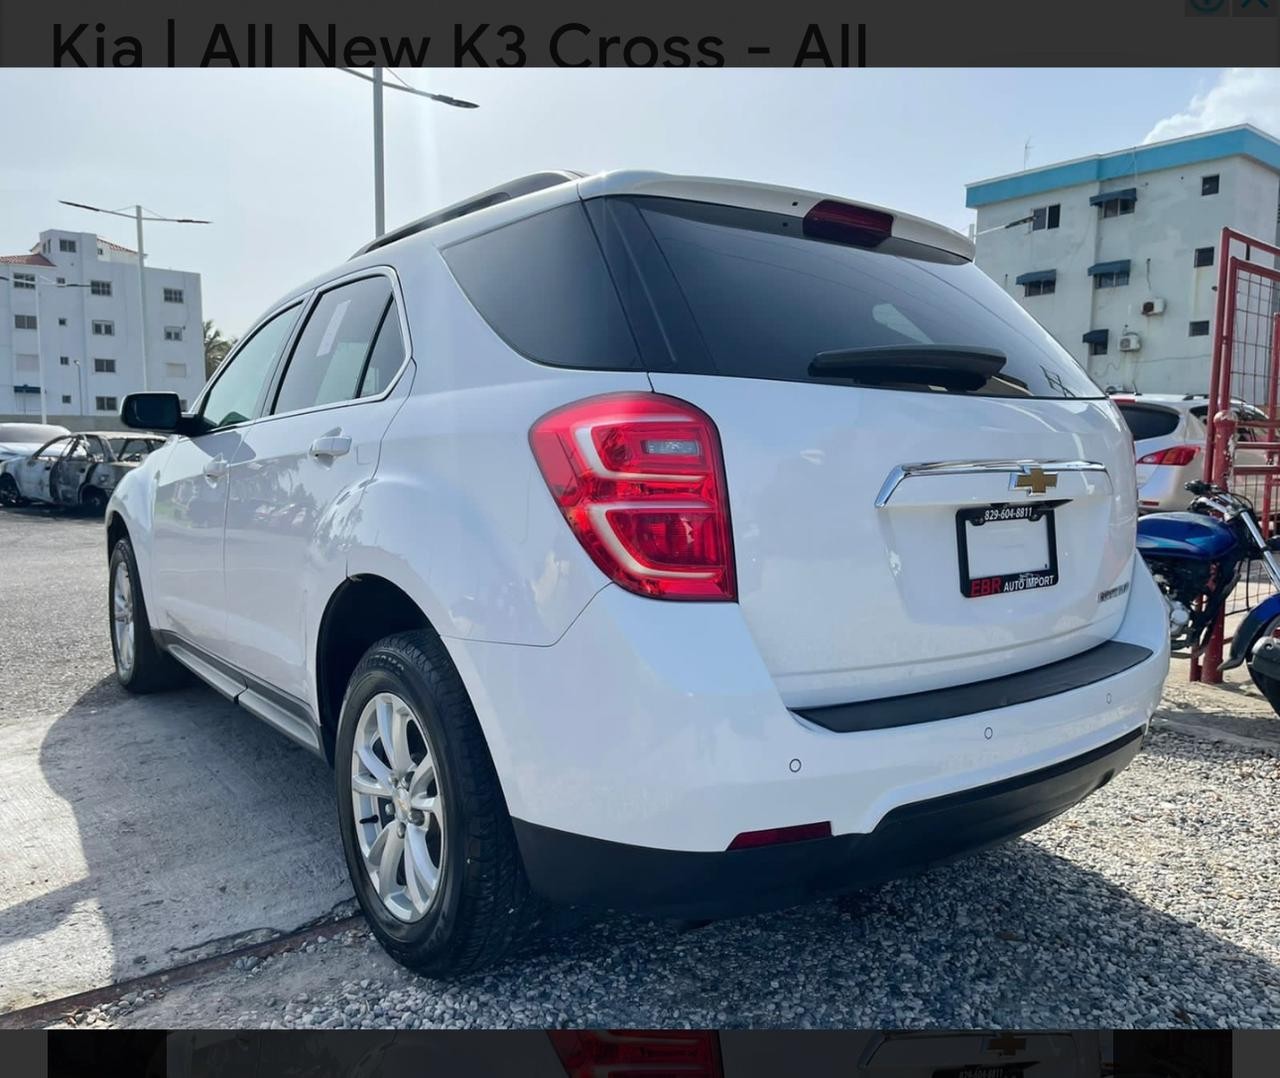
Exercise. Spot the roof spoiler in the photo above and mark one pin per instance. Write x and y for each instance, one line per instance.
(504, 192)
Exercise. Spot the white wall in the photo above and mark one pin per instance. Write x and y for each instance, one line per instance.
(76, 341)
(1171, 219)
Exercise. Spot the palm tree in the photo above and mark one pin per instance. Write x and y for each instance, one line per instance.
(216, 347)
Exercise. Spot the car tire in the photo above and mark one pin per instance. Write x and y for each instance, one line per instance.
(481, 903)
(1268, 686)
(141, 666)
(94, 501)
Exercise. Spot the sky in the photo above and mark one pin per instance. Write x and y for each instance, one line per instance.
(281, 160)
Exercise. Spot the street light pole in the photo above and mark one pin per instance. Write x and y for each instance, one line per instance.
(379, 192)
(142, 301)
(36, 281)
(379, 180)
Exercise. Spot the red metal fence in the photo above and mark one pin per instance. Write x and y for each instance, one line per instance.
(1243, 451)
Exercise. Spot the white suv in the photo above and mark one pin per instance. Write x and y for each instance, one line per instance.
(667, 544)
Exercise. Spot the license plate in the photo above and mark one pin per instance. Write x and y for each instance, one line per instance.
(1005, 549)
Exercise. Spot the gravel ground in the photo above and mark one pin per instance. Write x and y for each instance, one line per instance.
(1152, 904)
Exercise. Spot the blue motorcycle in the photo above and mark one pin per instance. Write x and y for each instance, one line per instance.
(1196, 558)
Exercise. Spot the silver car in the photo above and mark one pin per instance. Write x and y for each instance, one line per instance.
(74, 470)
(1169, 443)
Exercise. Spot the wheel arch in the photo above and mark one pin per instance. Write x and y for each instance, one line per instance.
(362, 610)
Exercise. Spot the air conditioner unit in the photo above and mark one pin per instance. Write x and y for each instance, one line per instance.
(1154, 305)
(1130, 342)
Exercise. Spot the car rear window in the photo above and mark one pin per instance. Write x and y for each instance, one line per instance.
(542, 285)
(738, 292)
(1148, 421)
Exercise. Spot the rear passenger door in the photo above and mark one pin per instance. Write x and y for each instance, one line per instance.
(297, 477)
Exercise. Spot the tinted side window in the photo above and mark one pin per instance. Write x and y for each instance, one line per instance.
(542, 285)
(235, 395)
(329, 359)
(387, 355)
(1148, 422)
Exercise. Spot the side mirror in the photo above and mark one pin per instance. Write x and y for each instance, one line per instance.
(158, 412)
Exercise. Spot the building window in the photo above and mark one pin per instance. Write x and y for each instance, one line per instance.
(24, 321)
(64, 361)
(173, 295)
(105, 404)
(60, 280)
(1204, 256)
(1111, 280)
(173, 333)
(1043, 217)
(104, 366)
(62, 321)
(104, 329)
(175, 370)
(1096, 339)
(1198, 329)
(1209, 185)
(24, 280)
(1039, 288)
(1115, 207)
(69, 246)
(66, 398)
(100, 288)
(26, 363)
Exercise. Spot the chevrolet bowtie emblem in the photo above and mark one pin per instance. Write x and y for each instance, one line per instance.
(1034, 481)
(1008, 1044)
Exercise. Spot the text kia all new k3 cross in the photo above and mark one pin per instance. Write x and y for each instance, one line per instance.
(676, 545)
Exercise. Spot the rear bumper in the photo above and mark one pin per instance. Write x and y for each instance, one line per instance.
(654, 729)
(575, 869)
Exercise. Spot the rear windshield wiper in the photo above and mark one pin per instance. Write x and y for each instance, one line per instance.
(955, 367)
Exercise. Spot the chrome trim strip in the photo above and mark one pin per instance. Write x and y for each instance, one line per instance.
(978, 467)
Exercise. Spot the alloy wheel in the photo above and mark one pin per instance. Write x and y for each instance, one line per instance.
(122, 618)
(398, 805)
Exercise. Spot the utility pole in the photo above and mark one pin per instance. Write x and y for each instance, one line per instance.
(142, 279)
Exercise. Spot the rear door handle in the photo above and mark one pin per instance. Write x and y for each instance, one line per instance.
(331, 445)
(216, 468)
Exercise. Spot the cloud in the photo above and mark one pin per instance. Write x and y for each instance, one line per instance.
(1241, 95)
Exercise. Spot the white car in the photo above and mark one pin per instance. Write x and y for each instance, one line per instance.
(669, 544)
(1169, 443)
(22, 439)
(74, 471)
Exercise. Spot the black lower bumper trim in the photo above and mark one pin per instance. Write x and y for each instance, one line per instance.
(1104, 661)
(577, 870)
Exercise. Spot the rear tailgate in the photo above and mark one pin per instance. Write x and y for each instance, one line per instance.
(856, 586)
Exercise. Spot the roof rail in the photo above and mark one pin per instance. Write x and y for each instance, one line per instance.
(525, 185)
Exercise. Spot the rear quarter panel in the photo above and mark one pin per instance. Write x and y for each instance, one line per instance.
(457, 514)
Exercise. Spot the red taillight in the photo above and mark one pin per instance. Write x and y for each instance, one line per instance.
(640, 479)
(1177, 455)
(773, 836)
(621, 1053)
(845, 223)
